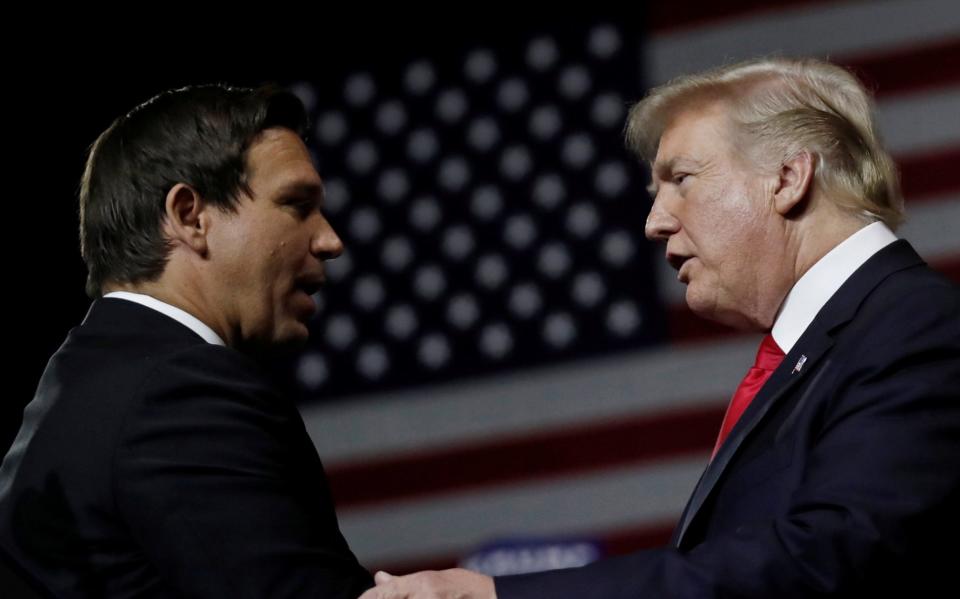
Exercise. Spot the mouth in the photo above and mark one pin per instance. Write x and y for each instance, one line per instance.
(310, 284)
(304, 289)
(677, 261)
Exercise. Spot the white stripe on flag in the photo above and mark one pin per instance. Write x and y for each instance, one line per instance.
(537, 399)
(623, 497)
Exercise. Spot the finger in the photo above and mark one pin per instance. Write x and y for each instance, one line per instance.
(382, 577)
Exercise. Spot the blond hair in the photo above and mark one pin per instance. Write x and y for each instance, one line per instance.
(780, 107)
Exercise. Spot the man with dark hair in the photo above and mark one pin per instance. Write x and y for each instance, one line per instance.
(157, 459)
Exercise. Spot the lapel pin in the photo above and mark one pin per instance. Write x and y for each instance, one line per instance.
(800, 363)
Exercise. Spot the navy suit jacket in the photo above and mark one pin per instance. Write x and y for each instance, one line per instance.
(153, 464)
(842, 478)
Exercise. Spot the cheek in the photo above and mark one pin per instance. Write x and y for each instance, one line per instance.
(282, 266)
(231, 246)
(737, 228)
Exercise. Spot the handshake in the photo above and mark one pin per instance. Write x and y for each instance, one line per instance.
(445, 584)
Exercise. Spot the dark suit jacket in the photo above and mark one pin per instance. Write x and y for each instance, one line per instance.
(842, 478)
(151, 463)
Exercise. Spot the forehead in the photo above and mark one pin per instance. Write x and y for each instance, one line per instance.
(278, 157)
(696, 133)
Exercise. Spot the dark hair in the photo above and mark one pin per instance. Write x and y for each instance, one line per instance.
(196, 135)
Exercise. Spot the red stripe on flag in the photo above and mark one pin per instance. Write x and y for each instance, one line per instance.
(683, 327)
(667, 17)
(926, 176)
(573, 450)
(949, 266)
(909, 69)
(628, 540)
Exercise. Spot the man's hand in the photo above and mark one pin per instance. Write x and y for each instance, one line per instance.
(446, 584)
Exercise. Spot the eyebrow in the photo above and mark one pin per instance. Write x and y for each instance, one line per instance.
(304, 190)
(667, 167)
(655, 168)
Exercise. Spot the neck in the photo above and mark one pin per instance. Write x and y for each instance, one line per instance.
(185, 298)
(804, 242)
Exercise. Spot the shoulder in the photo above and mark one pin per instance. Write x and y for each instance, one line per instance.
(911, 305)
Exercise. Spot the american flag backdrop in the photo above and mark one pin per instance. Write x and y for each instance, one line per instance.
(500, 353)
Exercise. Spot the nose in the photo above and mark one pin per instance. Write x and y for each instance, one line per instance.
(661, 224)
(326, 244)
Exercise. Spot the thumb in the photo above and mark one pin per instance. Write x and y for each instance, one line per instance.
(382, 577)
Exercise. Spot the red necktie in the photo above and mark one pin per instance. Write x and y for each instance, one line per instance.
(769, 357)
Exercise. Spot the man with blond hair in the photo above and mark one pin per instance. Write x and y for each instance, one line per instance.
(837, 467)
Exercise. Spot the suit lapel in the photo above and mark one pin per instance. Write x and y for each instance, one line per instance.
(784, 379)
(802, 360)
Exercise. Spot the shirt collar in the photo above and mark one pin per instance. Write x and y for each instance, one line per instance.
(186, 319)
(818, 284)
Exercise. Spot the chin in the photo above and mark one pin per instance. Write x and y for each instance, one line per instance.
(728, 318)
(294, 335)
(710, 309)
(282, 340)
(700, 305)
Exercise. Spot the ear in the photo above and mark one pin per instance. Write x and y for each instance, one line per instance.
(795, 179)
(186, 218)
